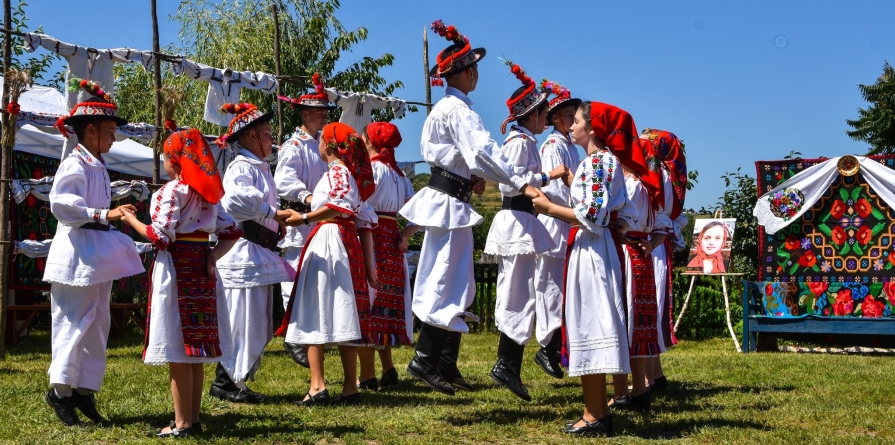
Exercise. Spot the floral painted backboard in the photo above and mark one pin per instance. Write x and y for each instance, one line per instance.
(838, 258)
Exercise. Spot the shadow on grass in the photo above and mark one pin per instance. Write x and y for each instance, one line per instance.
(231, 425)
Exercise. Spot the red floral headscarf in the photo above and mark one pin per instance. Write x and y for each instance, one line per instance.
(385, 137)
(191, 152)
(615, 127)
(350, 149)
(670, 151)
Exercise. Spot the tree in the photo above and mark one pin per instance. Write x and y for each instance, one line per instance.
(738, 201)
(239, 35)
(38, 65)
(876, 124)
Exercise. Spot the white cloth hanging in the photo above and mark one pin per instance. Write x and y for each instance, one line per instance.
(224, 85)
(809, 185)
(357, 108)
(40, 249)
(40, 188)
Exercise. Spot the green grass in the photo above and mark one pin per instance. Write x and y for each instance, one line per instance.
(715, 396)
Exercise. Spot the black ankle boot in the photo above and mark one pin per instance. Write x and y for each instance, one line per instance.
(508, 367)
(548, 358)
(299, 354)
(447, 364)
(424, 365)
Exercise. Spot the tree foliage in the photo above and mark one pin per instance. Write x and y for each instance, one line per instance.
(737, 202)
(240, 35)
(37, 65)
(876, 123)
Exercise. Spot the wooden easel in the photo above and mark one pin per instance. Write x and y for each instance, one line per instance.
(718, 215)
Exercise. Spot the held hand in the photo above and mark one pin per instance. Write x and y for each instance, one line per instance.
(478, 186)
(125, 216)
(402, 245)
(295, 219)
(647, 247)
(283, 215)
(210, 262)
(372, 278)
(559, 172)
(118, 212)
(621, 236)
(541, 203)
(308, 199)
(282, 232)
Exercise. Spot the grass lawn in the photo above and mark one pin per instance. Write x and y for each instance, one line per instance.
(715, 396)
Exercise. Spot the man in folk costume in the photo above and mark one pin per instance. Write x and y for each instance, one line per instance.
(299, 169)
(457, 147)
(550, 273)
(248, 271)
(516, 236)
(670, 152)
(87, 254)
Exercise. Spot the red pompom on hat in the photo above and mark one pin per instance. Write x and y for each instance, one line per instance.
(317, 99)
(247, 116)
(101, 106)
(454, 58)
(563, 97)
(524, 99)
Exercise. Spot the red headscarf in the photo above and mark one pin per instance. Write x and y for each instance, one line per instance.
(615, 127)
(386, 137)
(350, 149)
(670, 151)
(191, 152)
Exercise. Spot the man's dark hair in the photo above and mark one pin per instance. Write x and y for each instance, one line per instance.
(80, 127)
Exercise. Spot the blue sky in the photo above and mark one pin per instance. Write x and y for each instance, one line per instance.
(737, 81)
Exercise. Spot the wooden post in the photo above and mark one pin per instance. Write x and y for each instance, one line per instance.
(426, 70)
(157, 73)
(276, 67)
(6, 165)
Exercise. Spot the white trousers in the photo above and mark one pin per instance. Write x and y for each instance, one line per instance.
(549, 280)
(81, 321)
(291, 255)
(445, 284)
(514, 308)
(249, 313)
(661, 267)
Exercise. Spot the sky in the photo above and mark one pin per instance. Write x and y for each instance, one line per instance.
(738, 82)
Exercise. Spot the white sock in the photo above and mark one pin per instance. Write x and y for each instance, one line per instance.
(241, 385)
(62, 391)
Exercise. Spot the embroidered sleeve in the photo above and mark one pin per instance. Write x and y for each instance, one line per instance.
(599, 190)
(226, 227)
(68, 197)
(343, 194)
(366, 217)
(165, 213)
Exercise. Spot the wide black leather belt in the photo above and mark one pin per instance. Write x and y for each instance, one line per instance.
(96, 226)
(522, 203)
(299, 206)
(260, 235)
(450, 184)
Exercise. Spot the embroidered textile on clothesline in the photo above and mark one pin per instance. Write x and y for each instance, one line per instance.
(40, 188)
(40, 249)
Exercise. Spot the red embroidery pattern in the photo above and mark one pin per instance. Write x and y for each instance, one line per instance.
(645, 341)
(387, 319)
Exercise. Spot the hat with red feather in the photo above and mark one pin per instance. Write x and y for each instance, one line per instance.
(317, 99)
(563, 97)
(247, 116)
(455, 58)
(99, 105)
(525, 99)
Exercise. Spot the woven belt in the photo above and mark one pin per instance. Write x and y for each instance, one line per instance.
(96, 226)
(299, 206)
(260, 235)
(450, 184)
(522, 203)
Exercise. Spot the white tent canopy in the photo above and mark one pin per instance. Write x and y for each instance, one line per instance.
(126, 156)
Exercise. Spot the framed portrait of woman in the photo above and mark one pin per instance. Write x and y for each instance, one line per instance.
(712, 240)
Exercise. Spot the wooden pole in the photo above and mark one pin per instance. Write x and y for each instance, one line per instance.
(426, 70)
(157, 73)
(276, 67)
(6, 120)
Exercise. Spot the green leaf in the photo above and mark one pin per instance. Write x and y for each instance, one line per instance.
(843, 194)
(877, 214)
(825, 228)
(875, 289)
(857, 250)
(855, 193)
(878, 228)
(815, 268)
(845, 249)
(794, 268)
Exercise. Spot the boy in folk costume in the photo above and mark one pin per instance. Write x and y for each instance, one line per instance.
(595, 339)
(551, 268)
(517, 236)
(330, 301)
(183, 311)
(457, 147)
(248, 271)
(391, 320)
(670, 151)
(86, 255)
(299, 169)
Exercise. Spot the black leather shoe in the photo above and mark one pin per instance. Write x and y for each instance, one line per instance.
(447, 363)
(389, 378)
(623, 402)
(197, 427)
(175, 433)
(429, 376)
(509, 366)
(660, 384)
(424, 365)
(642, 402)
(321, 398)
(551, 367)
(87, 405)
(371, 384)
(299, 354)
(502, 376)
(63, 406)
(353, 399)
(597, 428)
(238, 396)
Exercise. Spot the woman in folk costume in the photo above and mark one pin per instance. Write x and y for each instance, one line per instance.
(551, 268)
(248, 271)
(595, 339)
(330, 301)
(86, 255)
(458, 148)
(299, 169)
(183, 313)
(670, 151)
(516, 235)
(391, 320)
(643, 180)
